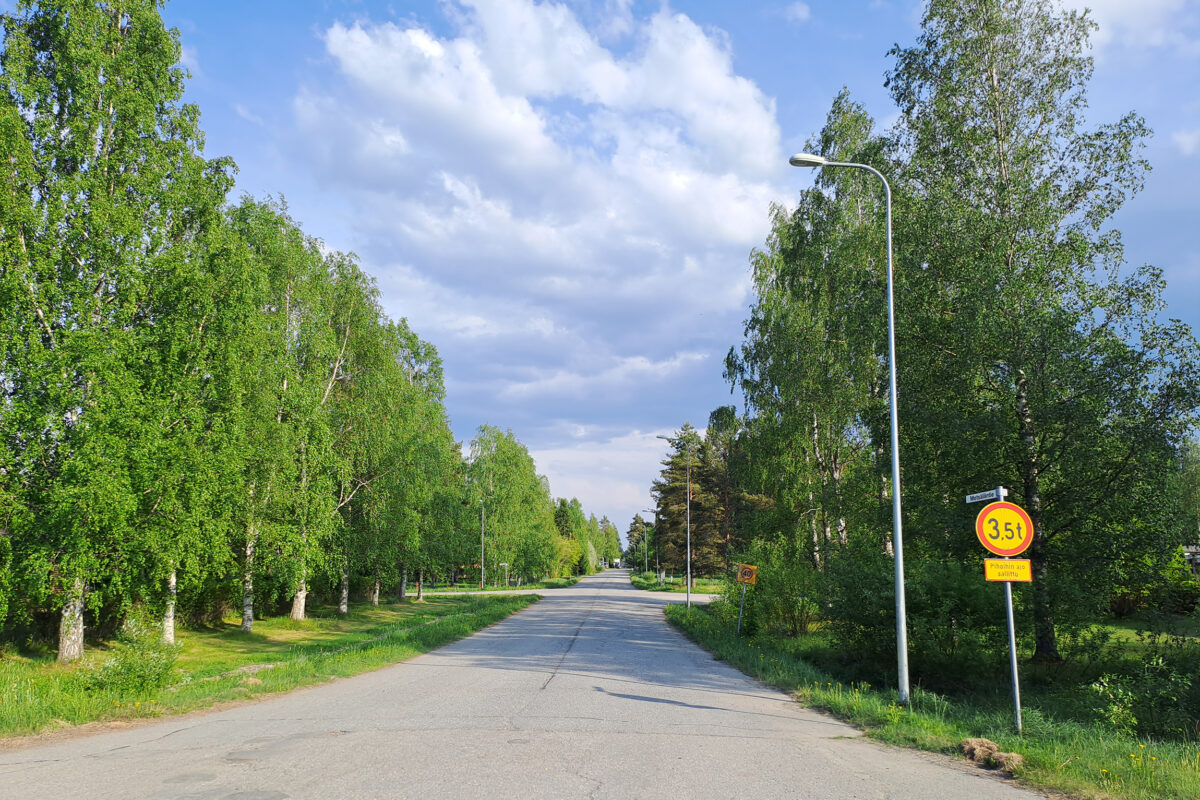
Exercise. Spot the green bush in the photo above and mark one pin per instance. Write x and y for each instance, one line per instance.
(1151, 701)
(139, 663)
(786, 596)
(1179, 592)
(956, 620)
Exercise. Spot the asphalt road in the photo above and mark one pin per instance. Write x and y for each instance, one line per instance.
(588, 694)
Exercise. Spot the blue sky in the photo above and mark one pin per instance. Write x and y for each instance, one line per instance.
(563, 196)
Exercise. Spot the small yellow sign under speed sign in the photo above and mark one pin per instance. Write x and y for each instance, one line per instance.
(747, 573)
(1013, 570)
(1004, 528)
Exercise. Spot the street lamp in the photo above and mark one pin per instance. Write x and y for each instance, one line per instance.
(688, 449)
(646, 541)
(810, 160)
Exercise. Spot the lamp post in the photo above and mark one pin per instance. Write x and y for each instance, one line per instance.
(646, 541)
(688, 586)
(810, 160)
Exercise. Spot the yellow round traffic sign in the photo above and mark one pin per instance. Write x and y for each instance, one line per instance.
(1004, 528)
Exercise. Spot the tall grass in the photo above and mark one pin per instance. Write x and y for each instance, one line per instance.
(1078, 759)
(224, 664)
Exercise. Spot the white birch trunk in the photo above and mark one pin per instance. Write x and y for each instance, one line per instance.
(374, 593)
(298, 601)
(168, 623)
(344, 602)
(70, 629)
(248, 582)
(420, 583)
(403, 583)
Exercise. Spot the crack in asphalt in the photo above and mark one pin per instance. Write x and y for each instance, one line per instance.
(574, 638)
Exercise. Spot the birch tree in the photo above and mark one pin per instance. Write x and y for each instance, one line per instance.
(103, 184)
(1034, 359)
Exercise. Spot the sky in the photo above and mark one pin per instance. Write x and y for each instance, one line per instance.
(563, 196)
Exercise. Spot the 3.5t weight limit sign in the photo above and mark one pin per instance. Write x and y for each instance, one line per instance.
(1004, 528)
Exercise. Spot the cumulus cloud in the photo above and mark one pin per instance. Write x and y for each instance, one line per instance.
(563, 204)
(609, 471)
(619, 374)
(1143, 24)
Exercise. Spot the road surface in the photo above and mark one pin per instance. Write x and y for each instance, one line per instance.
(587, 694)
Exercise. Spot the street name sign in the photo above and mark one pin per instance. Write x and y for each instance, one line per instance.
(999, 493)
(1008, 569)
(1004, 528)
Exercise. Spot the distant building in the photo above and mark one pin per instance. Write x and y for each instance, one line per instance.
(1191, 552)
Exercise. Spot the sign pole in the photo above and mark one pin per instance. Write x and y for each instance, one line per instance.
(1012, 652)
(1005, 529)
(740, 607)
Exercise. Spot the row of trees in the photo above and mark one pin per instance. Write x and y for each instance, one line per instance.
(201, 406)
(1030, 355)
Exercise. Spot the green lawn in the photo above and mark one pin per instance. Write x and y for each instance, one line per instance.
(223, 664)
(675, 583)
(1080, 759)
(466, 588)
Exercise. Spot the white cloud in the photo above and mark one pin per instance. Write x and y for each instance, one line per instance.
(798, 12)
(1188, 142)
(247, 114)
(524, 158)
(564, 206)
(611, 472)
(1141, 24)
(189, 59)
(621, 373)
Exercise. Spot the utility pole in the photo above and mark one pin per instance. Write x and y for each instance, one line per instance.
(687, 449)
(688, 445)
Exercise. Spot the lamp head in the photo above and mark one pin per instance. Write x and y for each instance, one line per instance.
(807, 160)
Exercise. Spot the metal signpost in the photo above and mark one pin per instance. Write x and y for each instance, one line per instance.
(1006, 530)
(746, 574)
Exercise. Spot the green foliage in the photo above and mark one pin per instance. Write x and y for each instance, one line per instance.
(1028, 356)
(200, 401)
(787, 594)
(515, 507)
(1153, 696)
(140, 662)
(1178, 591)
(699, 465)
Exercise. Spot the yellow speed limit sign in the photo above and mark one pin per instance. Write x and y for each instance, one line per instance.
(1004, 528)
(747, 573)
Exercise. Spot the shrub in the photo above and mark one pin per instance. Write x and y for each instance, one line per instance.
(956, 620)
(787, 593)
(139, 662)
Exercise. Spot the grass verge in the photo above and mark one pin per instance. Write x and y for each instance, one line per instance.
(225, 664)
(1085, 761)
(548, 583)
(649, 582)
